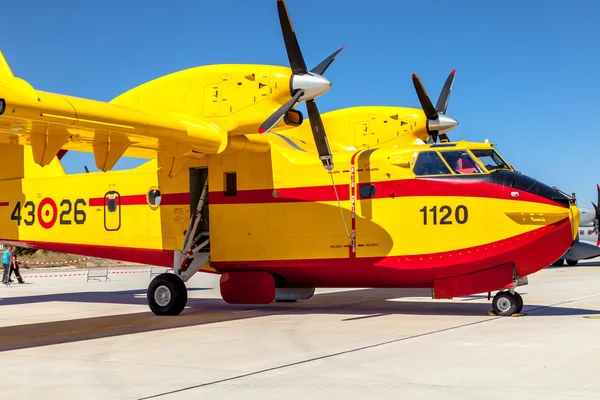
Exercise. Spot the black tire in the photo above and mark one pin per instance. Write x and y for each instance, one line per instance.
(572, 263)
(504, 304)
(173, 292)
(558, 262)
(519, 303)
(285, 301)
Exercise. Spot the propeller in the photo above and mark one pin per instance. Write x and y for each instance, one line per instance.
(304, 86)
(438, 123)
(597, 218)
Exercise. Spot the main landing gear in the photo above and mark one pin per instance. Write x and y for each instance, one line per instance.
(167, 293)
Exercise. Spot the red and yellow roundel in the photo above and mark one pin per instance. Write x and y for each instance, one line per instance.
(47, 213)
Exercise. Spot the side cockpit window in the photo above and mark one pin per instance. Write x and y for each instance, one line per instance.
(430, 163)
(490, 159)
(461, 162)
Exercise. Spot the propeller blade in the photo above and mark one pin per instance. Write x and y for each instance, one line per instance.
(430, 112)
(444, 138)
(442, 103)
(280, 113)
(319, 134)
(291, 42)
(598, 190)
(323, 65)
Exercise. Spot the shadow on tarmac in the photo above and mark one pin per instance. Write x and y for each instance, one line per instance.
(133, 297)
(348, 305)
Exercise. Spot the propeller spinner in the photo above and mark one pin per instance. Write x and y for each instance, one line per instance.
(438, 123)
(304, 86)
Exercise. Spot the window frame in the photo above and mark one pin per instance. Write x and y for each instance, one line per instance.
(441, 158)
(473, 158)
(481, 163)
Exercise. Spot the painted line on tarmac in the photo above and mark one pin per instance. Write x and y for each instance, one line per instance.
(309, 360)
(332, 355)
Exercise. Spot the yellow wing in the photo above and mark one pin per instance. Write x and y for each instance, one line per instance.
(190, 113)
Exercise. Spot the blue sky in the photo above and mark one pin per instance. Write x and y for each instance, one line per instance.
(527, 72)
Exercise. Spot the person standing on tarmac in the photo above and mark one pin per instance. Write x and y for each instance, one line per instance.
(6, 258)
(14, 266)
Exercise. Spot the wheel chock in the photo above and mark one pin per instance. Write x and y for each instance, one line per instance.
(491, 314)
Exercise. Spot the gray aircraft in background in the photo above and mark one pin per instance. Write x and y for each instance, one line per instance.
(587, 244)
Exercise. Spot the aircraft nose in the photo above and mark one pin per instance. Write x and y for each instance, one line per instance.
(313, 85)
(574, 220)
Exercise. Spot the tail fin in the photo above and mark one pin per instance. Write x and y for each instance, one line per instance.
(5, 71)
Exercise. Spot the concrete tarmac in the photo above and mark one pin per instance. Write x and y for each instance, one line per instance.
(62, 337)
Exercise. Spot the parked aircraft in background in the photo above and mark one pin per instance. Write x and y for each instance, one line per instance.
(587, 244)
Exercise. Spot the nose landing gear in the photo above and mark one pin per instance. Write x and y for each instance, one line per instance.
(507, 303)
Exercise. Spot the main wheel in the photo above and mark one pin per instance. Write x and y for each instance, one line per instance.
(572, 263)
(558, 262)
(167, 295)
(504, 303)
(519, 303)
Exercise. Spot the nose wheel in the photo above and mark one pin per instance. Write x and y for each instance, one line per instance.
(507, 303)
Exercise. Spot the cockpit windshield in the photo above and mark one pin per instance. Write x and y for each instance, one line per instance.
(461, 162)
(430, 163)
(490, 159)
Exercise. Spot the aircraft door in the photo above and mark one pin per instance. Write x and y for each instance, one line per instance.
(112, 211)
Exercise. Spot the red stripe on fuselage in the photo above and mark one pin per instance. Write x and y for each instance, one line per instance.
(383, 189)
(169, 199)
(282, 195)
(4, 204)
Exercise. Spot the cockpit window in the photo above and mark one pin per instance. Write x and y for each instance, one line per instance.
(461, 162)
(430, 163)
(490, 159)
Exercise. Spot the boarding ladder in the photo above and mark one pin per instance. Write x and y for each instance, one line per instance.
(194, 254)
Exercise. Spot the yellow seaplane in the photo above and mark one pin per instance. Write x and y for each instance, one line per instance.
(239, 185)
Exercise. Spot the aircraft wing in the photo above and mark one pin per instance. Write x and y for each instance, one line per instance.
(51, 122)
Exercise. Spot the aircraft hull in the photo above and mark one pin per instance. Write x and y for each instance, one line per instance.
(529, 253)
